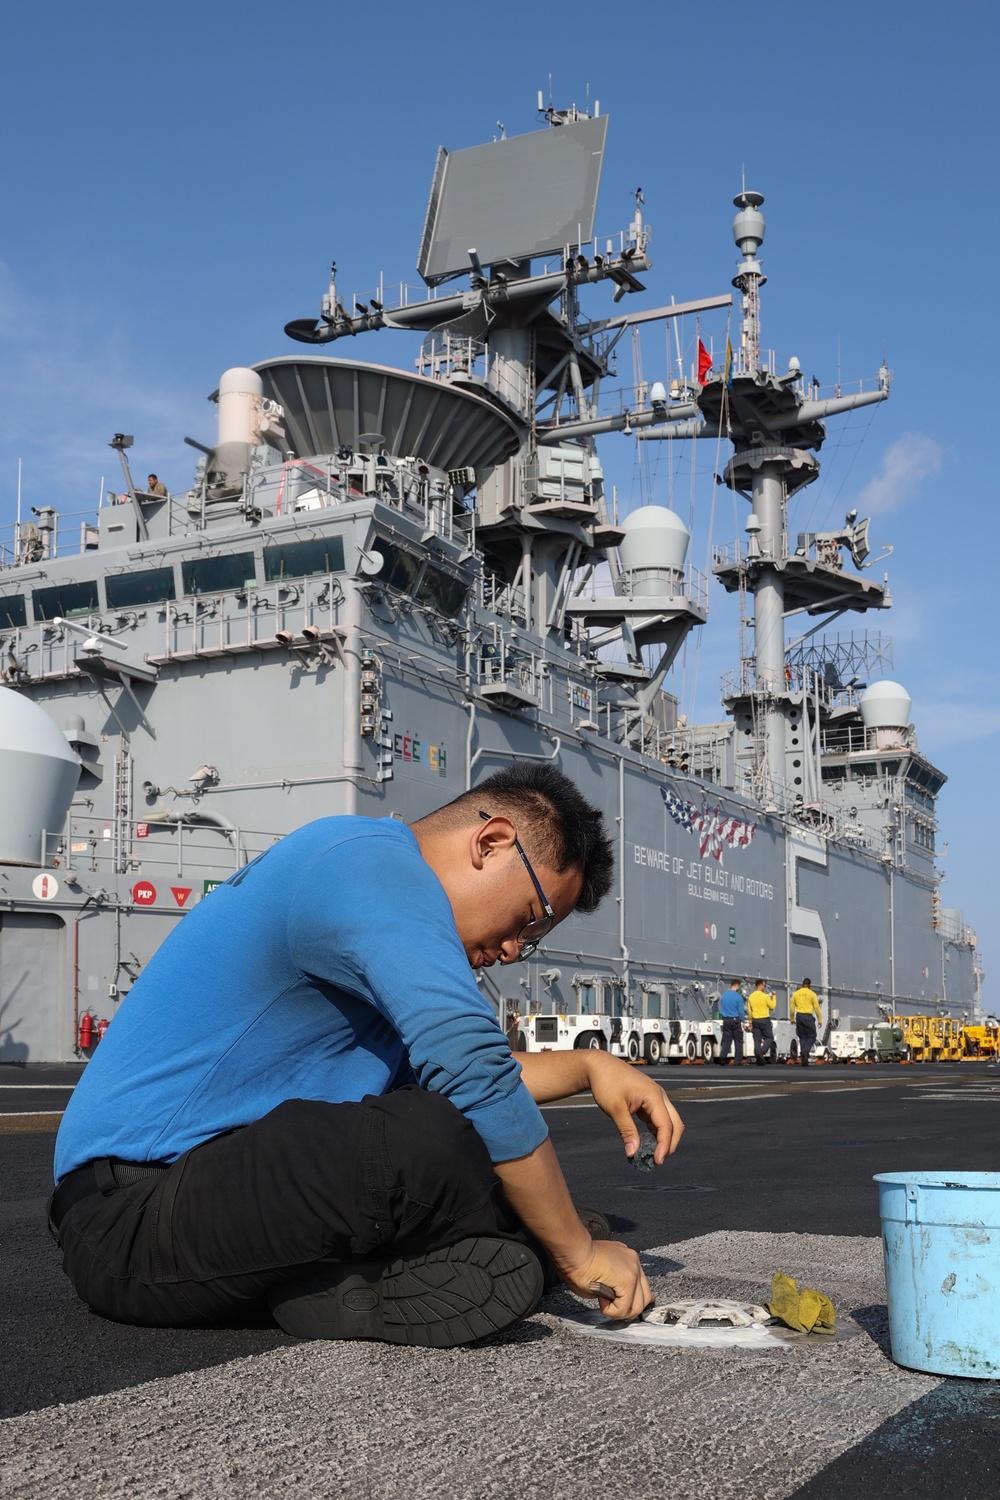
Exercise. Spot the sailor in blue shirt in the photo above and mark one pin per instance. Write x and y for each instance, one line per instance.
(733, 1010)
(305, 1100)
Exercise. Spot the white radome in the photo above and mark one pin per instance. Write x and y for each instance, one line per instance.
(38, 777)
(654, 549)
(885, 705)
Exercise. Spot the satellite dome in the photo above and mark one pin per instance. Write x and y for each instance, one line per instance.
(885, 705)
(38, 776)
(654, 549)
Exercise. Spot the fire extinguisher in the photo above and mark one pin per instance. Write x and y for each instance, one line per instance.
(102, 1027)
(86, 1030)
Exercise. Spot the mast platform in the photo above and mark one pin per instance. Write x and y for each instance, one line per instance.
(809, 585)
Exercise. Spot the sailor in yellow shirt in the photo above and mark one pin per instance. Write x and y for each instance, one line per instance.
(759, 1007)
(804, 1011)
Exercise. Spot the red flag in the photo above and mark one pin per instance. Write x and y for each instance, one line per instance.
(704, 362)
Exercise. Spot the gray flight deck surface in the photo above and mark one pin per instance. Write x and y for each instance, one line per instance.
(774, 1173)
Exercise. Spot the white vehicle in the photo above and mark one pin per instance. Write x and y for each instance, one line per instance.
(876, 1043)
(620, 1035)
(849, 1046)
(678, 1041)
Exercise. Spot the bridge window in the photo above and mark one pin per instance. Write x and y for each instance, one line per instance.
(213, 575)
(12, 611)
(442, 591)
(127, 590)
(923, 776)
(400, 569)
(304, 559)
(65, 599)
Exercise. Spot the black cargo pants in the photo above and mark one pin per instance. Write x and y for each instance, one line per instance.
(308, 1185)
(732, 1037)
(765, 1048)
(805, 1030)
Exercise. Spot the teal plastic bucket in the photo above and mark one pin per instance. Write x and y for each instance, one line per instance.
(941, 1241)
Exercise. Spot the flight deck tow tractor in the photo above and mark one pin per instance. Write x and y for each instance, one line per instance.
(647, 1039)
(621, 1036)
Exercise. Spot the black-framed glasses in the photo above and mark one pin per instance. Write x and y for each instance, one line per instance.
(531, 933)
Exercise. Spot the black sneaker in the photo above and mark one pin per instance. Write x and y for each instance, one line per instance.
(437, 1300)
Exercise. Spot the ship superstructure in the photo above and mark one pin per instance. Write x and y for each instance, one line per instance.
(383, 584)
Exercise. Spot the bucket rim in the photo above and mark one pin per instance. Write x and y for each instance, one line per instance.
(963, 1181)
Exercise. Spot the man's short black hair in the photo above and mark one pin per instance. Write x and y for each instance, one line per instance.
(806, 983)
(734, 984)
(555, 823)
(759, 983)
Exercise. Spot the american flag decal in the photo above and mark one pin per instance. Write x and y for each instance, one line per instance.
(715, 828)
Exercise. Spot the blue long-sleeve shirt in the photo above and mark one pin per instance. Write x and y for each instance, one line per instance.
(732, 1007)
(329, 968)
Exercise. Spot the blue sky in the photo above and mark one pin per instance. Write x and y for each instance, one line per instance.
(175, 181)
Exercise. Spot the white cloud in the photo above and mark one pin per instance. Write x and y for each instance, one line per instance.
(905, 464)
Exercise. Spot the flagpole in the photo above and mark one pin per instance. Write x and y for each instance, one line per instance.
(17, 533)
(677, 345)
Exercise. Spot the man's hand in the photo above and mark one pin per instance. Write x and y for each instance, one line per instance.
(617, 1087)
(615, 1266)
(536, 1189)
(537, 1192)
(623, 1091)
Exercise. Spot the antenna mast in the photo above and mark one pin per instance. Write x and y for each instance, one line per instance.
(775, 432)
(748, 232)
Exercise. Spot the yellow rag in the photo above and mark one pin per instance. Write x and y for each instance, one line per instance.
(807, 1311)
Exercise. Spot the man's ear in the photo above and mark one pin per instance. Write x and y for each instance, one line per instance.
(493, 836)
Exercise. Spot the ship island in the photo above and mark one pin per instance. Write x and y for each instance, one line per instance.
(383, 583)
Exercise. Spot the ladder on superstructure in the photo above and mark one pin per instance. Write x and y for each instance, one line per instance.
(121, 827)
(748, 685)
